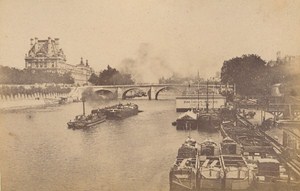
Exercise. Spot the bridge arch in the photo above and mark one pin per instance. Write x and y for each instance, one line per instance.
(128, 90)
(104, 92)
(165, 88)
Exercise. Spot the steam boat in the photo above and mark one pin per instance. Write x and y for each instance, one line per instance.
(82, 121)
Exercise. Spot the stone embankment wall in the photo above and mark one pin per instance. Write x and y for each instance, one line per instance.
(15, 97)
(35, 96)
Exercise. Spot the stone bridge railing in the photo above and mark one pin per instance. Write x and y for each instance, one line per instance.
(152, 90)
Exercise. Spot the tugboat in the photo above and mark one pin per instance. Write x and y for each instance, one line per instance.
(82, 121)
(121, 111)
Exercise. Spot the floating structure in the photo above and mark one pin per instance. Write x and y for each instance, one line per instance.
(206, 108)
(270, 168)
(205, 166)
(183, 174)
(198, 119)
(121, 111)
(82, 121)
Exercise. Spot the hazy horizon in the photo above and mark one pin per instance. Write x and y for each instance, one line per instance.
(152, 37)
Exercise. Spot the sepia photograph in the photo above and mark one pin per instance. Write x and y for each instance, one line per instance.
(149, 95)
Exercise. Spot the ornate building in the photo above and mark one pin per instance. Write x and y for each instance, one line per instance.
(46, 55)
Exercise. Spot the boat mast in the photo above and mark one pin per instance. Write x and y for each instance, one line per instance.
(83, 105)
(213, 96)
(198, 79)
(207, 96)
(198, 94)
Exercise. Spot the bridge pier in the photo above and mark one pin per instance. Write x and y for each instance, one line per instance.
(119, 93)
(152, 93)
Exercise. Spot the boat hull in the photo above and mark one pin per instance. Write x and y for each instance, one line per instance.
(85, 124)
(121, 111)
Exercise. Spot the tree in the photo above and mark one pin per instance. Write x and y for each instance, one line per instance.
(111, 76)
(10, 75)
(248, 73)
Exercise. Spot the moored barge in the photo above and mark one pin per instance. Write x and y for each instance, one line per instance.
(182, 176)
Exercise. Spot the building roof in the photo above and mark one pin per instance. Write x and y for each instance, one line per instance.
(45, 48)
(188, 115)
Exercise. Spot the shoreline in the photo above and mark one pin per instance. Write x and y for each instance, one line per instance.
(17, 105)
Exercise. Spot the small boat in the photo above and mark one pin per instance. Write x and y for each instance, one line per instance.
(65, 100)
(82, 121)
(121, 111)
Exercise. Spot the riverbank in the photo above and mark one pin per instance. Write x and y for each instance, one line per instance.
(24, 104)
(274, 132)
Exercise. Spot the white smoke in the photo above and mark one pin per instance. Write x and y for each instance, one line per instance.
(148, 66)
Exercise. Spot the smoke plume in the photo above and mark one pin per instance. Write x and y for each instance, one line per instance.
(148, 66)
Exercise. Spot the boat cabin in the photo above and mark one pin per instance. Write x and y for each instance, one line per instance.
(230, 147)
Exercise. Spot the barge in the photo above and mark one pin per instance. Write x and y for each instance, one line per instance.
(183, 174)
(121, 111)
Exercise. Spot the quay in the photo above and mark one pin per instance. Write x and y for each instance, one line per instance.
(280, 150)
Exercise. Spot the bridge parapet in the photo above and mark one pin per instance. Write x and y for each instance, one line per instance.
(152, 90)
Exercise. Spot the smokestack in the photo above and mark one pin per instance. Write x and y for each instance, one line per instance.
(86, 63)
(36, 39)
(31, 41)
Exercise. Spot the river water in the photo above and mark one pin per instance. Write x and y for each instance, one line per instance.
(39, 153)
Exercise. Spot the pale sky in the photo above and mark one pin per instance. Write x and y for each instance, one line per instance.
(157, 36)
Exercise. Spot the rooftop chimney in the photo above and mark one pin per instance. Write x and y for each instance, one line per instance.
(31, 41)
(56, 41)
(81, 62)
(36, 39)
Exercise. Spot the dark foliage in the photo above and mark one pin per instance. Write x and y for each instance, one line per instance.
(249, 73)
(15, 90)
(111, 76)
(10, 75)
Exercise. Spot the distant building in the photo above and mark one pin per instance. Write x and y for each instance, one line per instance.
(292, 62)
(48, 56)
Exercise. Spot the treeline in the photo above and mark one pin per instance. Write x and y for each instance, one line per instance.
(254, 76)
(111, 76)
(13, 90)
(10, 75)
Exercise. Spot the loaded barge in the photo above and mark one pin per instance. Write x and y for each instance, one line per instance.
(121, 111)
(204, 166)
(271, 169)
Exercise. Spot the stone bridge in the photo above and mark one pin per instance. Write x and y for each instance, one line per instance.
(152, 90)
